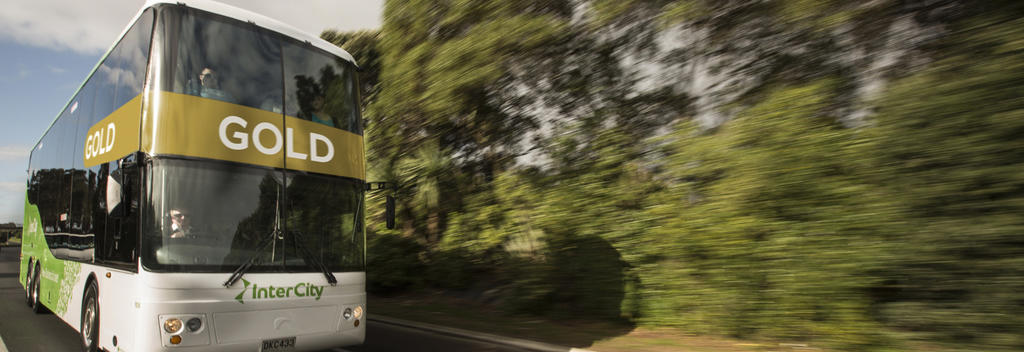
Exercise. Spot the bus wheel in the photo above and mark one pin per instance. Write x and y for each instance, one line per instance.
(90, 319)
(37, 307)
(28, 284)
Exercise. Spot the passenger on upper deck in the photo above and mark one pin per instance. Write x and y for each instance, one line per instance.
(312, 102)
(210, 86)
(319, 114)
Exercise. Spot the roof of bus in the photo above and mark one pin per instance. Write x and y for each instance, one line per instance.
(257, 19)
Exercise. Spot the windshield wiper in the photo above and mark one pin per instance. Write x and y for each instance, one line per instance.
(259, 251)
(248, 264)
(316, 263)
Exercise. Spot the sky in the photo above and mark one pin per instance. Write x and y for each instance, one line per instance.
(48, 47)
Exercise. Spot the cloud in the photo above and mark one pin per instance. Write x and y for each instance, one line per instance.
(14, 152)
(90, 27)
(12, 186)
(314, 16)
(83, 26)
(57, 70)
(12, 202)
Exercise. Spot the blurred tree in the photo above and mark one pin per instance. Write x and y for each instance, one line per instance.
(950, 146)
(441, 64)
(426, 173)
(768, 233)
(444, 67)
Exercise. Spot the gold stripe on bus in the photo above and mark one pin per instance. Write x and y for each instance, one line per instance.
(179, 124)
(310, 150)
(115, 136)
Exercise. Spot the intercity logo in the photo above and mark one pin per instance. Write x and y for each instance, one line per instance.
(302, 289)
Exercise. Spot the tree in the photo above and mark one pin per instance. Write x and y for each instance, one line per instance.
(950, 149)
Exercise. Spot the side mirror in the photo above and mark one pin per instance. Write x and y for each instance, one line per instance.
(389, 213)
(389, 208)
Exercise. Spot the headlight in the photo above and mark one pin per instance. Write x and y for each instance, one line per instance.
(194, 324)
(172, 325)
(347, 314)
(358, 312)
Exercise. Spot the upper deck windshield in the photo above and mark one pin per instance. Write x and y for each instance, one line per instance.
(223, 59)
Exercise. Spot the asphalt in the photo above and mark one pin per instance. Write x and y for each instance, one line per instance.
(3, 346)
(522, 344)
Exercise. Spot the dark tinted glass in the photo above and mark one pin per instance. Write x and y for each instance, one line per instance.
(228, 60)
(83, 119)
(102, 86)
(325, 220)
(48, 180)
(131, 55)
(55, 177)
(70, 198)
(214, 217)
(208, 216)
(32, 186)
(118, 242)
(98, 200)
(320, 87)
(80, 238)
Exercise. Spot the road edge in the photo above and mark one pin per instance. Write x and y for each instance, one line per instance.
(3, 346)
(474, 335)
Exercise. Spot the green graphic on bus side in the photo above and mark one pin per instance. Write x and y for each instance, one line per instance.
(67, 283)
(31, 238)
(302, 289)
(56, 276)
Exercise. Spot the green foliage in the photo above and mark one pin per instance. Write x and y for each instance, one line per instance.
(392, 263)
(951, 144)
(766, 227)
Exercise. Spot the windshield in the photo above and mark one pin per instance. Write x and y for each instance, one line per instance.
(218, 58)
(213, 217)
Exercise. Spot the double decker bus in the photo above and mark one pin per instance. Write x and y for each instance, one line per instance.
(203, 190)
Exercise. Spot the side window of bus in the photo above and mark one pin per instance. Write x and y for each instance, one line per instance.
(97, 203)
(120, 77)
(66, 130)
(53, 178)
(48, 180)
(103, 85)
(130, 58)
(80, 200)
(119, 243)
(79, 217)
(75, 124)
(32, 186)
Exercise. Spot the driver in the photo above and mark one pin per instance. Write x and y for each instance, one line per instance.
(181, 223)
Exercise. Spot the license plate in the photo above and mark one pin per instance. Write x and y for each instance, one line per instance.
(281, 344)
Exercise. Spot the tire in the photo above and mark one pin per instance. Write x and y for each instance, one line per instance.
(90, 323)
(28, 284)
(34, 303)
